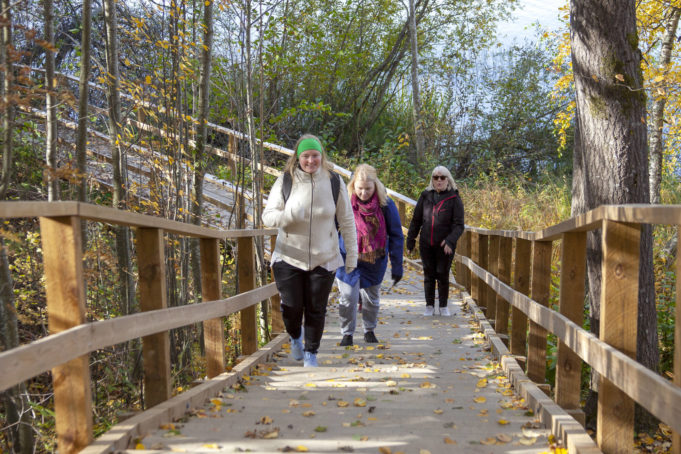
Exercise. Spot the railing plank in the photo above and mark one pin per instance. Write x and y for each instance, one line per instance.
(618, 322)
(505, 251)
(490, 296)
(541, 290)
(152, 291)
(249, 322)
(211, 288)
(628, 375)
(676, 436)
(29, 360)
(521, 282)
(277, 320)
(483, 256)
(572, 281)
(476, 284)
(63, 261)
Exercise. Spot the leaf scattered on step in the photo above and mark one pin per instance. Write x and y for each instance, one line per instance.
(504, 438)
(309, 413)
(480, 399)
(449, 441)
(320, 429)
(342, 403)
(503, 422)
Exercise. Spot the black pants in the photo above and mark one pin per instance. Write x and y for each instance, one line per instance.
(304, 295)
(436, 266)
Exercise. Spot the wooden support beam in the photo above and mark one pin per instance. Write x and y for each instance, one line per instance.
(619, 313)
(152, 290)
(467, 272)
(676, 437)
(490, 295)
(65, 291)
(249, 322)
(483, 255)
(211, 285)
(521, 283)
(572, 282)
(505, 258)
(277, 321)
(541, 290)
(475, 256)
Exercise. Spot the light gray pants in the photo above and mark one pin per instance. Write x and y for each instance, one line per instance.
(349, 298)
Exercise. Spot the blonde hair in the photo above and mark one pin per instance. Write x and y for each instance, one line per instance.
(290, 165)
(442, 170)
(366, 172)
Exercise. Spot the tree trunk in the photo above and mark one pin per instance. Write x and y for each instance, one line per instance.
(416, 95)
(51, 132)
(611, 125)
(201, 139)
(6, 82)
(127, 290)
(657, 120)
(83, 98)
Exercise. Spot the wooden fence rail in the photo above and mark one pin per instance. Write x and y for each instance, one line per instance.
(623, 380)
(65, 351)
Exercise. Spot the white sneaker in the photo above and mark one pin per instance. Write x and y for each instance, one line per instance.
(429, 311)
(444, 311)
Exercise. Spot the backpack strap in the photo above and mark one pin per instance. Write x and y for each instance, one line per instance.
(286, 186)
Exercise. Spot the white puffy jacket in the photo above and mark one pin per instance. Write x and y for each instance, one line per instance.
(307, 235)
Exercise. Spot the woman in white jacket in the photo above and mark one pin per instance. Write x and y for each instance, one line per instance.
(306, 255)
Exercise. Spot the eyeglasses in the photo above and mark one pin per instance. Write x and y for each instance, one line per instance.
(439, 177)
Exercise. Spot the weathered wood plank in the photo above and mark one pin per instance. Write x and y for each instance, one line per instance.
(211, 288)
(505, 258)
(633, 378)
(249, 322)
(572, 282)
(65, 291)
(483, 256)
(277, 320)
(475, 256)
(152, 294)
(541, 290)
(29, 360)
(493, 263)
(676, 436)
(521, 282)
(619, 313)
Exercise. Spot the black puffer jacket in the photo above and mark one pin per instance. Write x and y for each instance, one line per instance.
(437, 216)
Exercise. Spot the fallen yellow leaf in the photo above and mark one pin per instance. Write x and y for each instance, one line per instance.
(265, 420)
(480, 400)
(210, 446)
(482, 383)
(309, 413)
(489, 441)
(359, 402)
(503, 422)
(384, 450)
(301, 448)
(449, 441)
(438, 411)
(139, 446)
(342, 403)
(504, 438)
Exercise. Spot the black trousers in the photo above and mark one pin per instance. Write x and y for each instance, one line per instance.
(304, 295)
(436, 266)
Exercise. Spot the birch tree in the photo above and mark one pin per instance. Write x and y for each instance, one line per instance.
(51, 105)
(83, 98)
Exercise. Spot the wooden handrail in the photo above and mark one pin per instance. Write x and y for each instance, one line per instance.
(10, 210)
(32, 359)
(623, 380)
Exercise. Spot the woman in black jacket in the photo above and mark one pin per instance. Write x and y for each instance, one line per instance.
(438, 217)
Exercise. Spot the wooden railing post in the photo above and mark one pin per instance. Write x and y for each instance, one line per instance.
(249, 322)
(475, 257)
(467, 272)
(211, 287)
(541, 288)
(459, 268)
(483, 257)
(676, 437)
(277, 320)
(65, 292)
(491, 297)
(568, 363)
(402, 210)
(505, 251)
(521, 283)
(152, 289)
(618, 324)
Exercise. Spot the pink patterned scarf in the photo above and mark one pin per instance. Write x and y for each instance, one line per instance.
(371, 230)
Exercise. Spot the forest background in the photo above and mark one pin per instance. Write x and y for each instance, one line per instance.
(402, 85)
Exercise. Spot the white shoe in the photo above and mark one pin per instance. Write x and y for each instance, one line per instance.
(429, 311)
(444, 311)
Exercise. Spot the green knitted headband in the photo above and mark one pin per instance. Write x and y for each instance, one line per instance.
(308, 144)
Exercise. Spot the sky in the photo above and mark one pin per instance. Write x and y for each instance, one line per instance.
(528, 12)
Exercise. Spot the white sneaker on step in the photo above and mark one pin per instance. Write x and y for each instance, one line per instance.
(444, 311)
(429, 311)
